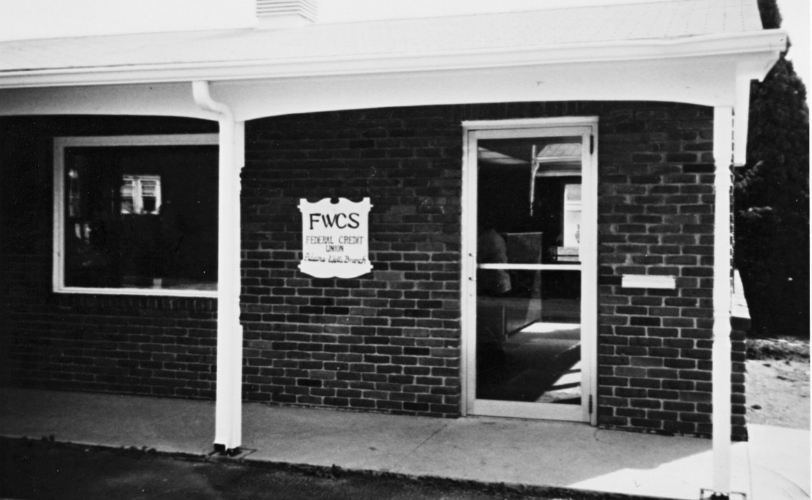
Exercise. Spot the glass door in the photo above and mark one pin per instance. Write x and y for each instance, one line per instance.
(531, 307)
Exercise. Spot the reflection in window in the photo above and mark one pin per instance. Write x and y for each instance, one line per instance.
(569, 252)
(140, 217)
(140, 194)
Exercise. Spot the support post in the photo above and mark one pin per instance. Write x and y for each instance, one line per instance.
(742, 119)
(722, 366)
(228, 409)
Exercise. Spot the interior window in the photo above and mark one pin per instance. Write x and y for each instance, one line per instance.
(141, 218)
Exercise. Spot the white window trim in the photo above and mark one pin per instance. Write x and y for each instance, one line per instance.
(60, 144)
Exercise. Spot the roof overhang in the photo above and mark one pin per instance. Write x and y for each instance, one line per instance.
(702, 70)
(740, 46)
(710, 70)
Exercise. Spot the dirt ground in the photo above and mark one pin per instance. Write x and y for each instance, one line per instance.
(777, 385)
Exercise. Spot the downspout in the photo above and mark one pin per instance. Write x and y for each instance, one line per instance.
(228, 409)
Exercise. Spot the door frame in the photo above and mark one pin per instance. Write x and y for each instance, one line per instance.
(587, 127)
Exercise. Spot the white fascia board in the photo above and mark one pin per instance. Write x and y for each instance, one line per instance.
(765, 45)
(705, 81)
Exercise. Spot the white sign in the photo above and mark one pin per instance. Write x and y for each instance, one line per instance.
(335, 238)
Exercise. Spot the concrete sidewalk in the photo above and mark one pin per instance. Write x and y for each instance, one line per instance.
(773, 465)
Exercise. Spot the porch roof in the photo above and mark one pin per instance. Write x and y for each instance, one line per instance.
(634, 30)
(693, 51)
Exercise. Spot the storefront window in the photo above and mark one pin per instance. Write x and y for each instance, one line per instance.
(137, 215)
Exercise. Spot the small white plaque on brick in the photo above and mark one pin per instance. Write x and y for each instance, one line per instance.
(646, 281)
(335, 238)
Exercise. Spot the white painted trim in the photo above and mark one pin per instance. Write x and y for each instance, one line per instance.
(57, 274)
(648, 281)
(141, 292)
(554, 130)
(468, 269)
(589, 275)
(721, 355)
(139, 140)
(60, 144)
(741, 119)
(532, 124)
(536, 127)
(709, 82)
(762, 45)
(533, 267)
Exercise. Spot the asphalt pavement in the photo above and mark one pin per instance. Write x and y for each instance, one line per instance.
(41, 469)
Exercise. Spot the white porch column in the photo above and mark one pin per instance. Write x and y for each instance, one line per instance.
(722, 152)
(228, 411)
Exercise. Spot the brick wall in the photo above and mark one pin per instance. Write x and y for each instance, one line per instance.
(656, 218)
(390, 340)
(125, 344)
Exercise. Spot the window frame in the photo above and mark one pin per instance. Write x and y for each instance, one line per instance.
(59, 197)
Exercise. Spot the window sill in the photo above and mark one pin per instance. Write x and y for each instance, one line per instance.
(143, 292)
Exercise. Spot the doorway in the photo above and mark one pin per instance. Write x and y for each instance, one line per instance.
(530, 273)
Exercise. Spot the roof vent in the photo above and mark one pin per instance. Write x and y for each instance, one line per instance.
(286, 13)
